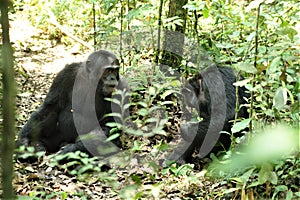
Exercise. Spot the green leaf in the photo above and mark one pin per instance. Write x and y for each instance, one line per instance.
(143, 112)
(153, 108)
(151, 120)
(224, 45)
(243, 82)
(126, 106)
(162, 147)
(167, 93)
(247, 67)
(112, 137)
(165, 171)
(136, 132)
(289, 195)
(280, 98)
(290, 32)
(245, 177)
(279, 188)
(237, 127)
(136, 146)
(113, 115)
(143, 104)
(152, 91)
(184, 169)
(253, 184)
(114, 100)
(175, 83)
(250, 37)
(159, 131)
(205, 12)
(85, 168)
(274, 66)
(273, 178)
(266, 174)
(113, 124)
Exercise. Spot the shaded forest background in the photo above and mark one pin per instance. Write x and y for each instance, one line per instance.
(259, 39)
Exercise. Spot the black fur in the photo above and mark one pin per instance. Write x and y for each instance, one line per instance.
(52, 126)
(212, 92)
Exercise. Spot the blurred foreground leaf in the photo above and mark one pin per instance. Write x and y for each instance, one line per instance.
(266, 146)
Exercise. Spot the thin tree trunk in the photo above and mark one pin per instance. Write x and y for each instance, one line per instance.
(174, 41)
(95, 27)
(8, 105)
(159, 31)
(255, 65)
(121, 36)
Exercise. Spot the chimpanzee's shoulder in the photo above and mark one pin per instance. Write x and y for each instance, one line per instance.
(68, 72)
(71, 67)
(62, 83)
(225, 69)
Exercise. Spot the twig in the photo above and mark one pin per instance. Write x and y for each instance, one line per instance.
(54, 22)
(95, 27)
(255, 65)
(121, 36)
(159, 31)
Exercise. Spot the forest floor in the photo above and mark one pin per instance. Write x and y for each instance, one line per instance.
(37, 60)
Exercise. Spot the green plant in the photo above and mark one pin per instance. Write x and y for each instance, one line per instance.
(76, 163)
(29, 153)
(148, 107)
(264, 161)
(179, 170)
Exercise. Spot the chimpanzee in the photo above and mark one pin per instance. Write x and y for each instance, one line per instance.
(76, 105)
(213, 94)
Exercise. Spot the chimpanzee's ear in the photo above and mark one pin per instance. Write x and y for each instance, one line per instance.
(88, 66)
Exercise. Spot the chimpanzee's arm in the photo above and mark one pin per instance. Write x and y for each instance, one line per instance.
(193, 135)
(40, 124)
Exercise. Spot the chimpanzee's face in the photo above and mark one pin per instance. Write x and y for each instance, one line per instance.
(103, 67)
(190, 97)
(109, 80)
(194, 94)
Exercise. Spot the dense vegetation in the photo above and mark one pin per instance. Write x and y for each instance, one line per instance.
(259, 39)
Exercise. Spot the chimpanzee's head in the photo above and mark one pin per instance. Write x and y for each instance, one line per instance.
(104, 66)
(193, 91)
(196, 94)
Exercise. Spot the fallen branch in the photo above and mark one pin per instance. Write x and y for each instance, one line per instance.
(54, 22)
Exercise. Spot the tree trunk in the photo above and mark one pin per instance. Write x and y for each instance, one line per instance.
(8, 105)
(174, 41)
